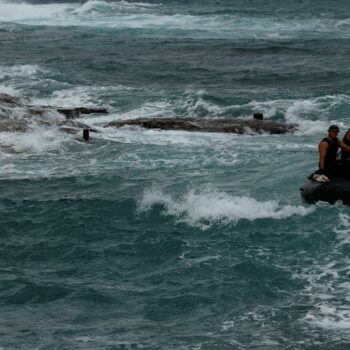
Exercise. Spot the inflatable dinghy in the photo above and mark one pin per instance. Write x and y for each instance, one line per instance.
(335, 190)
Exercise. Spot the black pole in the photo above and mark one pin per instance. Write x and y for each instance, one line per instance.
(86, 134)
(258, 116)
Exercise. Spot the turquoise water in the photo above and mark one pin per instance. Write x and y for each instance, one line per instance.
(147, 239)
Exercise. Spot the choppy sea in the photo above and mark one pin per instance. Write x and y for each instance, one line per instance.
(147, 239)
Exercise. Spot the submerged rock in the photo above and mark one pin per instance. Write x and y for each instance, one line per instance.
(71, 113)
(10, 101)
(237, 126)
(18, 115)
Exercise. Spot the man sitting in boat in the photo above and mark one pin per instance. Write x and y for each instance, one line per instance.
(328, 148)
(345, 156)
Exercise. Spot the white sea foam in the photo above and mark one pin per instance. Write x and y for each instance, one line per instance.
(83, 95)
(11, 12)
(190, 104)
(190, 261)
(208, 207)
(327, 283)
(90, 13)
(330, 317)
(8, 90)
(79, 96)
(91, 7)
(38, 140)
(193, 104)
(312, 115)
(147, 110)
(227, 326)
(17, 79)
(73, 97)
(138, 135)
(101, 8)
(143, 15)
(23, 71)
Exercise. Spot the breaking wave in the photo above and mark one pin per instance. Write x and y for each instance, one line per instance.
(207, 208)
(142, 15)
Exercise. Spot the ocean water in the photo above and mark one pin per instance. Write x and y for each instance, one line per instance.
(147, 239)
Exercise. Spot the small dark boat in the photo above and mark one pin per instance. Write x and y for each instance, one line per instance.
(337, 189)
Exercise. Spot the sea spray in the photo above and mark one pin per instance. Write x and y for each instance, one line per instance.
(209, 207)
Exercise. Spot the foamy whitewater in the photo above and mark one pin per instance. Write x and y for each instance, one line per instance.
(149, 239)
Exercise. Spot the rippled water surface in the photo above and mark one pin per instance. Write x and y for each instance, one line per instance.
(147, 239)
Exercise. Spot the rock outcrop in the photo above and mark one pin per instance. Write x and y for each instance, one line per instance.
(18, 115)
(237, 126)
(71, 113)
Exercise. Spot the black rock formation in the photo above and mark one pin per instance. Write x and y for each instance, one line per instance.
(18, 115)
(237, 126)
(71, 113)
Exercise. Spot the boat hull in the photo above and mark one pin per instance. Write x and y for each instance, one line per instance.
(331, 192)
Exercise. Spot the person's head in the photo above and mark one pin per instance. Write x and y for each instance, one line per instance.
(333, 131)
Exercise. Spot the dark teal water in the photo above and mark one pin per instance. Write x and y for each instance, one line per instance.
(146, 239)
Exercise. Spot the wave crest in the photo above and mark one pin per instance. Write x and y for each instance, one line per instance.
(141, 15)
(101, 8)
(209, 207)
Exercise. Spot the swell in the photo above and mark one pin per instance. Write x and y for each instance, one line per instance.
(166, 21)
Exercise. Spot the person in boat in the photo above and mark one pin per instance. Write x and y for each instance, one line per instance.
(345, 156)
(328, 149)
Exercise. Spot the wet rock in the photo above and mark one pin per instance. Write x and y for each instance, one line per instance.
(73, 125)
(237, 126)
(18, 115)
(71, 113)
(10, 101)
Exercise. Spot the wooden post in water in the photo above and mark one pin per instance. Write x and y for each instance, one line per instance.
(86, 134)
(258, 116)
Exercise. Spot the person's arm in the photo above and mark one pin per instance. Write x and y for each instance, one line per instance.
(323, 150)
(343, 146)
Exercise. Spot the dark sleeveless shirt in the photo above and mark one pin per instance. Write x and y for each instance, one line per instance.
(332, 151)
(344, 154)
